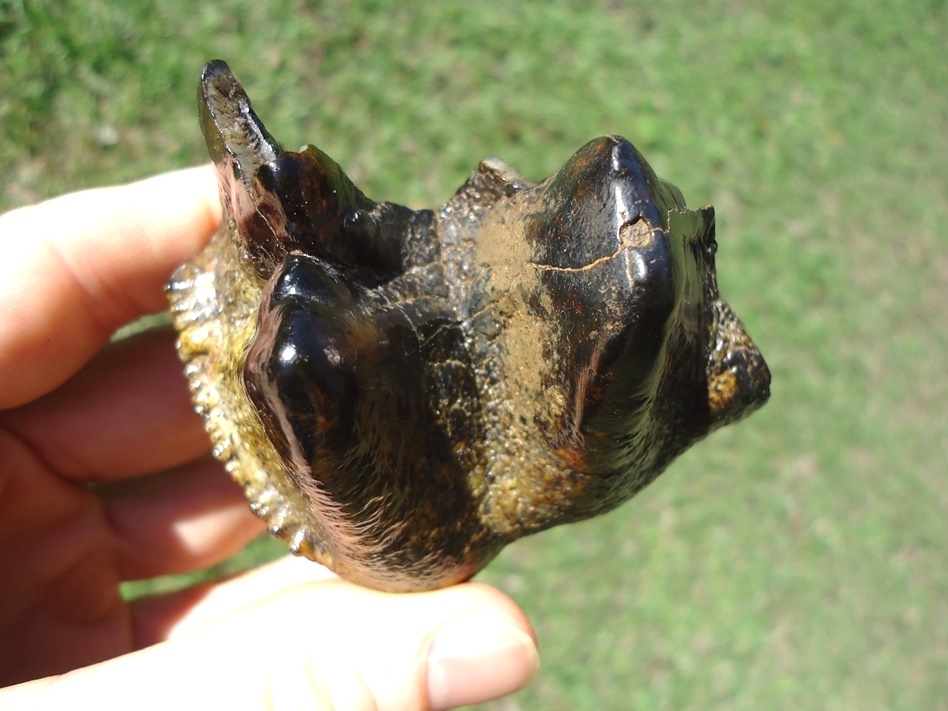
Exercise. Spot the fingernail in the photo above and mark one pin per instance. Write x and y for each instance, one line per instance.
(477, 657)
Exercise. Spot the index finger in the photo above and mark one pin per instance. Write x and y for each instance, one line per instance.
(78, 267)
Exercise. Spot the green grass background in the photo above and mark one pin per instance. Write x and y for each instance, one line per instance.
(797, 560)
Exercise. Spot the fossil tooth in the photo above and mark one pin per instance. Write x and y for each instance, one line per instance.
(401, 393)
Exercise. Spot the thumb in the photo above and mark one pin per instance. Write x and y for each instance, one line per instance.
(323, 645)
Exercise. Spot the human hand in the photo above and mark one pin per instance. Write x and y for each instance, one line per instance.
(76, 410)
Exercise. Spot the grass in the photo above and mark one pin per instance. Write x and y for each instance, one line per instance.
(798, 560)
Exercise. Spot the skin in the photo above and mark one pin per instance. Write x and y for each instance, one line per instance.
(76, 410)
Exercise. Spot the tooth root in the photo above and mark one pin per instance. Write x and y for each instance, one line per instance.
(240, 145)
(738, 377)
(279, 201)
(230, 126)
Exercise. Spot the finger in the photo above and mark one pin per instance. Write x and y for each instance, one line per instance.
(77, 267)
(321, 645)
(128, 412)
(161, 617)
(179, 521)
(466, 661)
